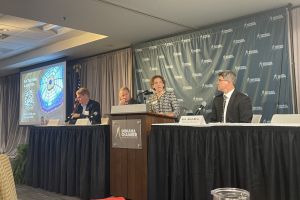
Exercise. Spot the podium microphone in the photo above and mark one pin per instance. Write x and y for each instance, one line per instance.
(146, 92)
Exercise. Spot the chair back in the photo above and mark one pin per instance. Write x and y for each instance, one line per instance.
(7, 183)
(256, 119)
(285, 118)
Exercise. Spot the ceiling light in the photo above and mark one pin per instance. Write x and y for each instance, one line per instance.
(48, 27)
(4, 30)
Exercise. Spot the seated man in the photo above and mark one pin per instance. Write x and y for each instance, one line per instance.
(231, 106)
(86, 108)
(124, 96)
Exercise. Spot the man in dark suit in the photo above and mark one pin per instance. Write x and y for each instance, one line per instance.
(86, 107)
(231, 106)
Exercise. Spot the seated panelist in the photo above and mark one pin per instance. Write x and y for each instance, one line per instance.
(162, 101)
(231, 106)
(85, 107)
(125, 98)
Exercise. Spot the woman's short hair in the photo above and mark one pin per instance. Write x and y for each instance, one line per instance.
(157, 76)
(83, 91)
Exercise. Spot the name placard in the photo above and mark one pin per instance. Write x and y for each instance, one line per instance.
(53, 122)
(83, 122)
(192, 119)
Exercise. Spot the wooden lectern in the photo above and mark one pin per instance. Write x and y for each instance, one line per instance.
(128, 166)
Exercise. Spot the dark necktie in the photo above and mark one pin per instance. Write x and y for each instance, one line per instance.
(224, 103)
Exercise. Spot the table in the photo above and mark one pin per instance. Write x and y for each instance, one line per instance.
(186, 162)
(72, 160)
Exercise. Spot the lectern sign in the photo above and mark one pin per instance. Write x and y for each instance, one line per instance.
(126, 134)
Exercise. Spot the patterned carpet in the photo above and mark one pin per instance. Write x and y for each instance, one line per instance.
(25, 192)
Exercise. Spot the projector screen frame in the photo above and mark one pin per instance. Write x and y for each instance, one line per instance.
(44, 113)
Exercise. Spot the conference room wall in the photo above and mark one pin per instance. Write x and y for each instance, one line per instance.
(255, 47)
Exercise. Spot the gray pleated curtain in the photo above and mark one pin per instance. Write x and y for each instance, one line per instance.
(11, 133)
(296, 50)
(105, 74)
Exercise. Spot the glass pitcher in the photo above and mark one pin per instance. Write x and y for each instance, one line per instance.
(230, 194)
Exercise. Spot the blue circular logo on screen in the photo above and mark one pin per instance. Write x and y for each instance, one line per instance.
(51, 90)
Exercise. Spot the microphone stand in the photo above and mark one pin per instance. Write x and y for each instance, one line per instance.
(69, 118)
(199, 109)
(146, 92)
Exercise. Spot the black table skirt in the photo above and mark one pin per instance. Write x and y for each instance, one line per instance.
(186, 163)
(72, 160)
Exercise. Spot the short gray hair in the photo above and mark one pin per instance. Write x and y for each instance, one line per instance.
(124, 88)
(228, 75)
(83, 91)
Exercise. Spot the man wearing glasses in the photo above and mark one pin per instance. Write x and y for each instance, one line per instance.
(231, 106)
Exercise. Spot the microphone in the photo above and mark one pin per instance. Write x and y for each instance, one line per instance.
(93, 115)
(145, 92)
(76, 101)
(69, 118)
(203, 104)
(76, 104)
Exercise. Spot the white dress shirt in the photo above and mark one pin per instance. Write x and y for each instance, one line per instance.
(228, 96)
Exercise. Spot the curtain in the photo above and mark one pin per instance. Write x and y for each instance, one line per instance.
(255, 47)
(105, 74)
(11, 133)
(296, 49)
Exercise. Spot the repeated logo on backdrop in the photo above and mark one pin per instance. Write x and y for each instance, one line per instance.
(256, 48)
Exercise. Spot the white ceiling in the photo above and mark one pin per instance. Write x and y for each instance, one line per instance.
(125, 22)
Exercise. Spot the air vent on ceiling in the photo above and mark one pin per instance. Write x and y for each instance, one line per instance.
(3, 36)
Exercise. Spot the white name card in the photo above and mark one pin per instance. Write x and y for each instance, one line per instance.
(192, 119)
(53, 122)
(83, 122)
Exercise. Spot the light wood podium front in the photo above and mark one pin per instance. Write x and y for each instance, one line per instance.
(128, 167)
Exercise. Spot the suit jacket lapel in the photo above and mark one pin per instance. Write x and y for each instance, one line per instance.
(88, 105)
(231, 100)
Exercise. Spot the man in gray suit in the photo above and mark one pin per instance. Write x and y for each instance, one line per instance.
(231, 106)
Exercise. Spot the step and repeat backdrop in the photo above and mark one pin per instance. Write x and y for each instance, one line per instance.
(254, 47)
